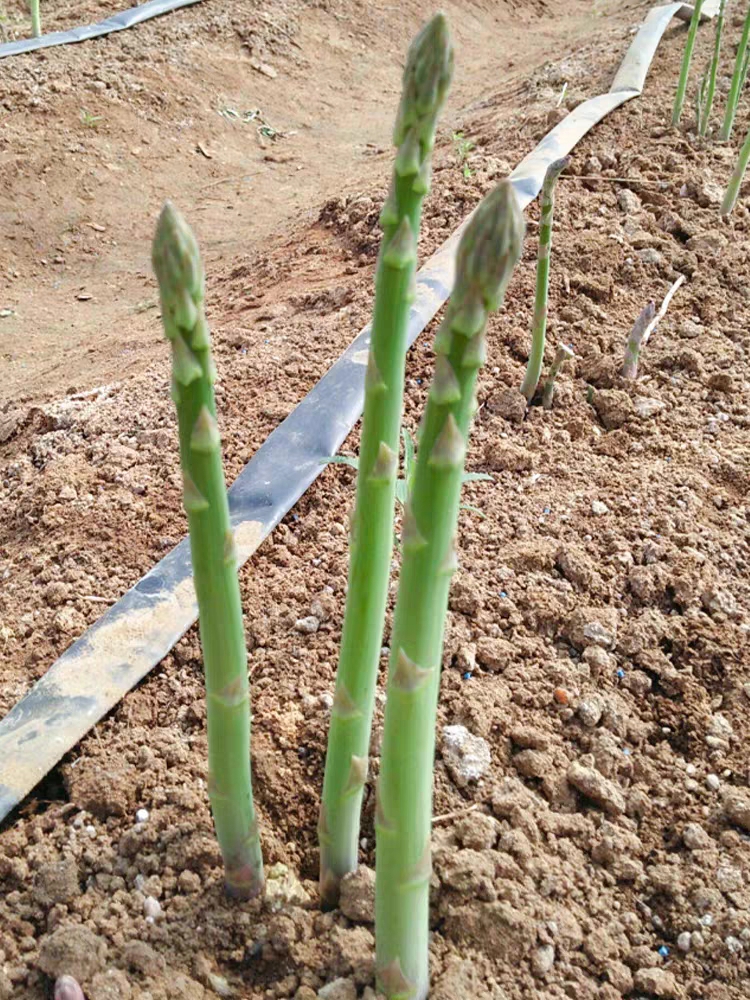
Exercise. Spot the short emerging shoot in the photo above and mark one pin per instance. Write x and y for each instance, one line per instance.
(738, 76)
(562, 354)
(539, 329)
(643, 327)
(687, 57)
(427, 75)
(179, 271)
(36, 20)
(487, 254)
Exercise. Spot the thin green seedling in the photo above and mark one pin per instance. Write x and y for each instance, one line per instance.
(539, 324)
(707, 98)
(487, 254)
(89, 120)
(687, 57)
(463, 147)
(179, 271)
(427, 76)
(36, 18)
(738, 76)
(735, 181)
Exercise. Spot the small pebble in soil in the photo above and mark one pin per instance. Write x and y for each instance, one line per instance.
(91, 832)
(734, 945)
(713, 782)
(561, 696)
(599, 508)
(684, 941)
(67, 988)
(307, 626)
(466, 756)
(151, 908)
(141, 816)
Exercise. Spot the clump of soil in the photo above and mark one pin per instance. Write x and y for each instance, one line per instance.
(591, 791)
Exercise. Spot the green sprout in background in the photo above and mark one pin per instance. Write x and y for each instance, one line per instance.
(738, 175)
(687, 57)
(179, 271)
(488, 252)
(429, 68)
(36, 20)
(738, 78)
(463, 147)
(706, 99)
(539, 328)
(89, 120)
(562, 354)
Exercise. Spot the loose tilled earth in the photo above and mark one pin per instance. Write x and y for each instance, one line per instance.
(593, 811)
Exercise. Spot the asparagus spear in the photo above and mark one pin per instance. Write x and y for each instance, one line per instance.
(179, 271)
(539, 330)
(427, 75)
(686, 60)
(738, 175)
(562, 354)
(36, 22)
(737, 79)
(487, 254)
(708, 102)
(635, 338)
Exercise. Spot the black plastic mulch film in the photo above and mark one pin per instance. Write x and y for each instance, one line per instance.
(131, 637)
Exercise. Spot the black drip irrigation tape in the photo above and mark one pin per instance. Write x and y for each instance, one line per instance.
(90, 677)
(118, 22)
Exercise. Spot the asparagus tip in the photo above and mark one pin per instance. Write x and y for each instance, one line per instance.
(427, 76)
(175, 255)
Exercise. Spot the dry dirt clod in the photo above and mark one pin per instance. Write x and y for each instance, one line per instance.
(467, 757)
(596, 787)
(72, 950)
(358, 895)
(339, 989)
(737, 807)
(657, 982)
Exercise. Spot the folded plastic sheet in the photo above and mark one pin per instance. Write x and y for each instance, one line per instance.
(118, 22)
(131, 637)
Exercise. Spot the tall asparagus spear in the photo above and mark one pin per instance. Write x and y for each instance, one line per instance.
(738, 175)
(539, 329)
(708, 101)
(486, 257)
(179, 271)
(737, 79)
(687, 57)
(36, 22)
(427, 75)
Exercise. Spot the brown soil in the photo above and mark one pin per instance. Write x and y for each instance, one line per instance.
(598, 632)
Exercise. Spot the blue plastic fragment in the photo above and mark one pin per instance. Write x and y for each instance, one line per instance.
(664, 951)
(620, 673)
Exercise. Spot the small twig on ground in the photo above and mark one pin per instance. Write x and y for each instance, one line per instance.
(455, 814)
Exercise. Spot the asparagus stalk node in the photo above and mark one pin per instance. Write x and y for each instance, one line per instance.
(738, 76)
(687, 57)
(562, 354)
(179, 270)
(487, 254)
(539, 329)
(735, 181)
(707, 100)
(427, 76)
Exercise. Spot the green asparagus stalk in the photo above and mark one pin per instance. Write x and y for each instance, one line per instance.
(539, 330)
(427, 76)
(736, 85)
(679, 100)
(562, 354)
(179, 271)
(708, 101)
(36, 21)
(487, 254)
(738, 175)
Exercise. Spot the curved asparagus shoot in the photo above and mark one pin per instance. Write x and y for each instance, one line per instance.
(687, 57)
(36, 22)
(427, 76)
(539, 329)
(708, 101)
(737, 80)
(179, 271)
(738, 175)
(562, 354)
(487, 254)
(635, 339)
